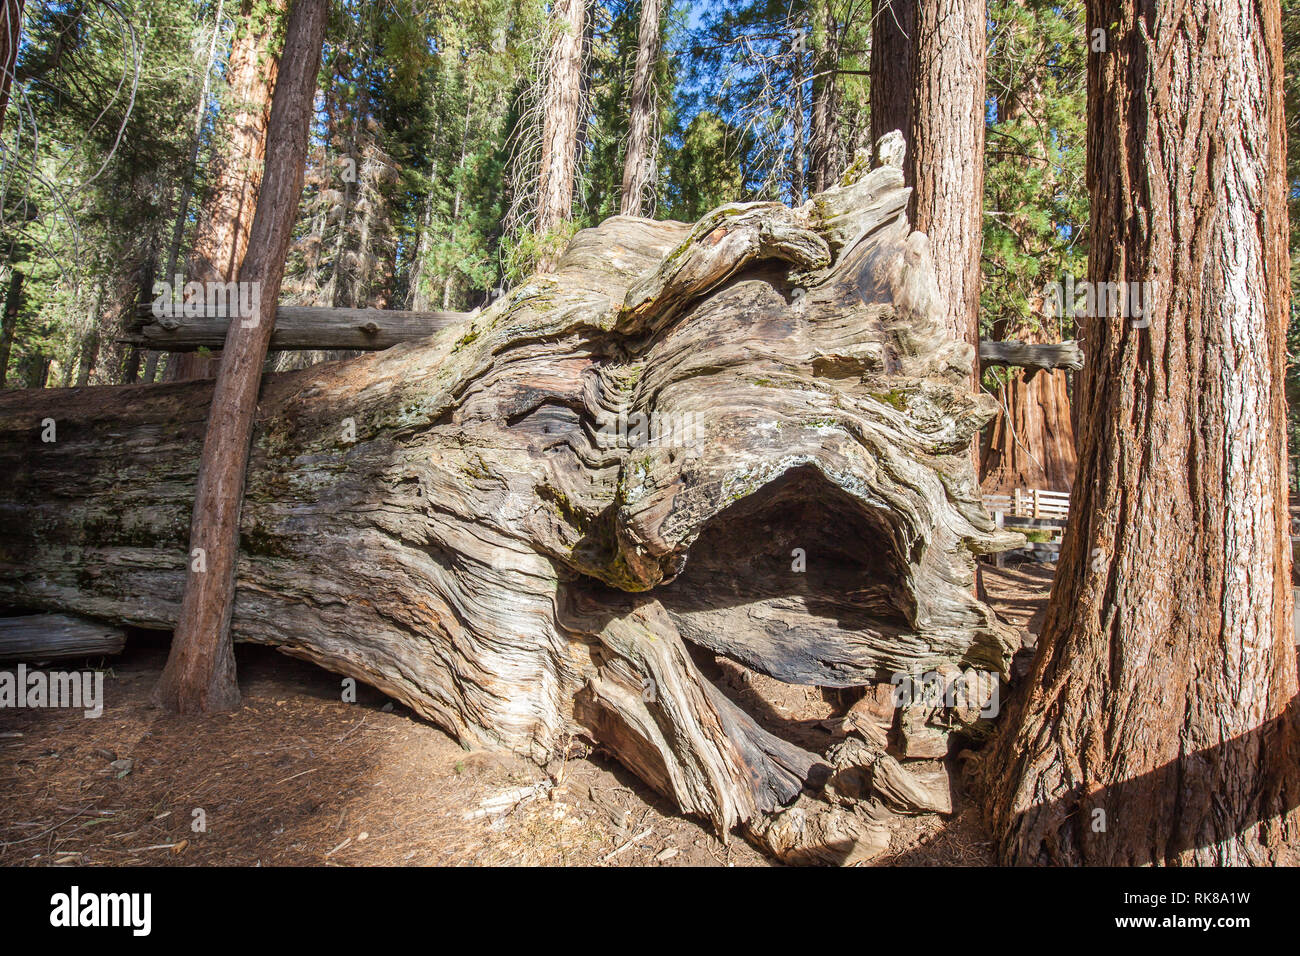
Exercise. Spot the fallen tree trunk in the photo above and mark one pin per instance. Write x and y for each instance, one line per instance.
(749, 435)
(37, 638)
(296, 328)
(1051, 356)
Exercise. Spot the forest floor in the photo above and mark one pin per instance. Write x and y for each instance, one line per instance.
(298, 777)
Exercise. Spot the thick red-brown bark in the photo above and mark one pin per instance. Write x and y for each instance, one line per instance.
(225, 221)
(560, 117)
(1158, 724)
(1031, 442)
(200, 671)
(945, 156)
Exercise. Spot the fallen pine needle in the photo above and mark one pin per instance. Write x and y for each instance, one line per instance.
(287, 779)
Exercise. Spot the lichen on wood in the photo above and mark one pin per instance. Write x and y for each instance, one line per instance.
(455, 522)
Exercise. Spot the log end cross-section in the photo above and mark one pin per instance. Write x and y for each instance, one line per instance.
(749, 435)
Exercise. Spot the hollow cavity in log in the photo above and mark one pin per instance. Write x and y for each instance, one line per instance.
(749, 434)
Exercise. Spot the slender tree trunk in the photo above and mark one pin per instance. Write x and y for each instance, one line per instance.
(945, 156)
(200, 671)
(119, 299)
(638, 163)
(221, 237)
(418, 300)
(142, 295)
(357, 145)
(893, 29)
(357, 293)
(797, 135)
(66, 369)
(1159, 721)
(38, 369)
(90, 344)
(13, 300)
(11, 22)
(130, 368)
(560, 110)
(825, 157)
(330, 294)
(449, 280)
(89, 356)
(196, 141)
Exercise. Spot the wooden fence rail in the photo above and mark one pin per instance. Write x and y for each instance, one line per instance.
(297, 327)
(1030, 509)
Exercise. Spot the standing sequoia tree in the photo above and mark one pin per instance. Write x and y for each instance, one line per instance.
(1157, 725)
(226, 219)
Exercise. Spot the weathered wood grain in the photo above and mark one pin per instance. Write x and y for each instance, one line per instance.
(57, 637)
(1037, 357)
(455, 522)
(298, 327)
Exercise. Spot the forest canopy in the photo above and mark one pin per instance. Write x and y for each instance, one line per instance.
(420, 190)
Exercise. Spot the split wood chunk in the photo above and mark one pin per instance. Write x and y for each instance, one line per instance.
(863, 770)
(813, 833)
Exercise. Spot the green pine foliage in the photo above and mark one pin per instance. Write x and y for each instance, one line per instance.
(424, 104)
(1035, 198)
(95, 143)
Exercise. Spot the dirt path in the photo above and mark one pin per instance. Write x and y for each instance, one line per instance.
(298, 777)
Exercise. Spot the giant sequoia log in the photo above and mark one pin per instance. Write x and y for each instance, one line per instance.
(454, 522)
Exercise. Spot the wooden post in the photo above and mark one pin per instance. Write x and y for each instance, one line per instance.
(999, 519)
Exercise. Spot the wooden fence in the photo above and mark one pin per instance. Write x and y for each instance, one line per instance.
(1030, 509)
(1031, 503)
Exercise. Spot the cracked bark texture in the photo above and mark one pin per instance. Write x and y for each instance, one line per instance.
(946, 150)
(225, 222)
(561, 106)
(450, 521)
(1158, 725)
